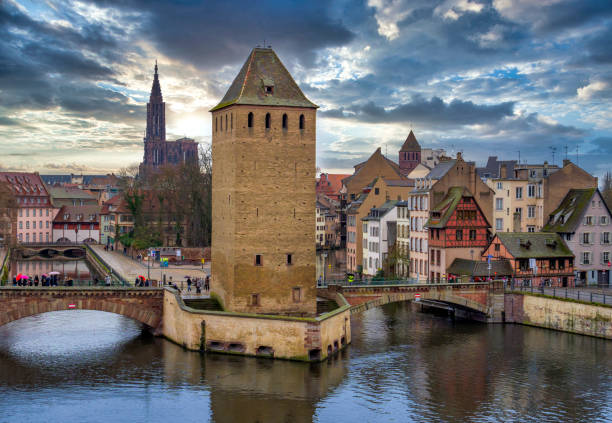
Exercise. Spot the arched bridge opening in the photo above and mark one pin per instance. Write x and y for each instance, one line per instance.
(142, 305)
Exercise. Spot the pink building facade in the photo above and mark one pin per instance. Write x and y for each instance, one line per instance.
(35, 212)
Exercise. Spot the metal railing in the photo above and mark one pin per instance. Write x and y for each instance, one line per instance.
(379, 282)
(66, 284)
(114, 275)
(591, 296)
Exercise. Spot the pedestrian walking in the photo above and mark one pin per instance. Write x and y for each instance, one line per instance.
(108, 279)
(207, 283)
(188, 284)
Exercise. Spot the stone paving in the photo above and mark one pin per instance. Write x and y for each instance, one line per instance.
(129, 269)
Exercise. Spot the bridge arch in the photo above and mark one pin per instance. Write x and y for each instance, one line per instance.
(143, 305)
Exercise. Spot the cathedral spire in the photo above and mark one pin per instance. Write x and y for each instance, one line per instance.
(156, 112)
(156, 94)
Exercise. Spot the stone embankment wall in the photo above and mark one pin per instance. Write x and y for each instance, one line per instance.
(559, 314)
(307, 339)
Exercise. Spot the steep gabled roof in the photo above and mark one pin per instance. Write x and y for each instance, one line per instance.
(447, 206)
(375, 156)
(465, 267)
(381, 211)
(441, 169)
(263, 68)
(534, 244)
(567, 216)
(411, 143)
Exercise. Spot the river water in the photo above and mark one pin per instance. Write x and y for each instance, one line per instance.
(403, 366)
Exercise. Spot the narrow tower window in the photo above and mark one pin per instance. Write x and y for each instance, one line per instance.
(301, 121)
(250, 119)
(215, 124)
(267, 120)
(258, 261)
(285, 121)
(225, 123)
(232, 121)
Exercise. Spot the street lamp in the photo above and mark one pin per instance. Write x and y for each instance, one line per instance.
(324, 255)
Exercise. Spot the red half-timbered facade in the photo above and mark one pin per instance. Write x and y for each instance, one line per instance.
(457, 229)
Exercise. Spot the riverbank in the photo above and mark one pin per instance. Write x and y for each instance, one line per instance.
(567, 315)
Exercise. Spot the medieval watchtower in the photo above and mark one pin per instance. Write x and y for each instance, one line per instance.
(263, 150)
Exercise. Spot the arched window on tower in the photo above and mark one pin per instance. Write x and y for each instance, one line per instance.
(267, 120)
(226, 123)
(285, 121)
(301, 121)
(250, 120)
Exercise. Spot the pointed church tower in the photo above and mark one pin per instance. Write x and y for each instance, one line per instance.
(263, 148)
(156, 112)
(410, 154)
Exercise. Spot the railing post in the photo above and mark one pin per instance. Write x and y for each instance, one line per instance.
(591, 296)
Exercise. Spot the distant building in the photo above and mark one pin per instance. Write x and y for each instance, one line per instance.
(330, 184)
(402, 244)
(430, 157)
(320, 212)
(8, 216)
(409, 154)
(61, 196)
(457, 229)
(379, 233)
(77, 224)
(537, 259)
(35, 212)
(522, 201)
(157, 151)
(496, 168)
(583, 221)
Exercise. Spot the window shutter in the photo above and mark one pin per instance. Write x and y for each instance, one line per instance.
(602, 258)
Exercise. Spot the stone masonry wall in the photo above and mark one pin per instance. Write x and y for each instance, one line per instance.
(567, 316)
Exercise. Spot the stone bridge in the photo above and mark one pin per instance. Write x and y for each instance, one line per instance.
(483, 301)
(32, 250)
(142, 304)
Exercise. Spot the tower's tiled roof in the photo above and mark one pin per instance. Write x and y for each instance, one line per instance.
(264, 68)
(411, 143)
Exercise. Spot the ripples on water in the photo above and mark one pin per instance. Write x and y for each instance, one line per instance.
(88, 366)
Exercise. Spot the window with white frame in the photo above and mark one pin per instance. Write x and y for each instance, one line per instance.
(531, 211)
(530, 228)
(588, 220)
(531, 191)
(605, 237)
(499, 224)
(586, 257)
(603, 220)
(500, 185)
(499, 204)
(519, 192)
(586, 238)
(605, 257)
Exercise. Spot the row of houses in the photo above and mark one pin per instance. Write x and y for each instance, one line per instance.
(412, 220)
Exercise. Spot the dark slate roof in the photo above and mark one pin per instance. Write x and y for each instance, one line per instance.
(493, 168)
(479, 268)
(441, 169)
(400, 182)
(264, 68)
(534, 244)
(411, 143)
(567, 216)
(447, 206)
(381, 211)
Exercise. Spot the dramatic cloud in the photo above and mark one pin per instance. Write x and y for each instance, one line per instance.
(478, 76)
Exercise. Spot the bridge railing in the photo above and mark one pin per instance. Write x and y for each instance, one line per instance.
(381, 282)
(72, 283)
(116, 277)
(591, 296)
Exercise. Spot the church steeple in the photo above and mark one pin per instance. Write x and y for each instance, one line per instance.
(156, 112)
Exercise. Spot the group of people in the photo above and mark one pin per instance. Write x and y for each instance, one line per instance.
(44, 280)
(199, 284)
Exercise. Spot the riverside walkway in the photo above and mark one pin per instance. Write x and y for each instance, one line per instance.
(130, 269)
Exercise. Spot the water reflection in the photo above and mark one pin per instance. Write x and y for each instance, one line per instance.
(402, 366)
(77, 270)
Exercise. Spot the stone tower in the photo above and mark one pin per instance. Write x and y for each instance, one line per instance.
(410, 154)
(263, 150)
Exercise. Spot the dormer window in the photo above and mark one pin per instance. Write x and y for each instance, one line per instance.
(268, 86)
(269, 89)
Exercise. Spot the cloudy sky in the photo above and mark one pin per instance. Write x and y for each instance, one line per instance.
(479, 76)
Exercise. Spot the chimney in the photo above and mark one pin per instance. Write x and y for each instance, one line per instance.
(566, 162)
(516, 222)
(503, 171)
